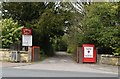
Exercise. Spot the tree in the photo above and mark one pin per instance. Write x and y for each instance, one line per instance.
(46, 20)
(73, 32)
(101, 25)
(11, 32)
(23, 12)
(50, 26)
(98, 23)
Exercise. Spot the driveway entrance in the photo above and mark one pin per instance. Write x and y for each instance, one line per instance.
(60, 57)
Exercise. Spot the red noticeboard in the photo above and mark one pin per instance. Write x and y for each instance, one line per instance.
(26, 31)
(88, 53)
(26, 36)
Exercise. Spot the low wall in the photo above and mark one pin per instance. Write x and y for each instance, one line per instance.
(110, 60)
(24, 57)
(5, 55)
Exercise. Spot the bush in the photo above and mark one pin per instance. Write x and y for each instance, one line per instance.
(117, 51)
(11, 32)
(71, 49)
(42, 55)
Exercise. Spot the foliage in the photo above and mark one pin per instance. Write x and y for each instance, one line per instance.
(60, 44)
(101, 25)
(96, 23)
(23, 11)
(46, 21)
(72, 36)
(11, 32)
(50, 26)
(42, 55)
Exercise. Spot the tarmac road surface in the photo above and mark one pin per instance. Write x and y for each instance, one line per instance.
(61, 65)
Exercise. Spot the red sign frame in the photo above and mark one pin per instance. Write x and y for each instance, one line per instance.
(93, 59)
(32, 54)
(26, 31)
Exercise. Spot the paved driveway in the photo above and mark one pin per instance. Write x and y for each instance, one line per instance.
(59, 58)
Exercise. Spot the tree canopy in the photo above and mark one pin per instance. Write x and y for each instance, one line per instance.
(73, 23)
(99, 26)
(46, 20)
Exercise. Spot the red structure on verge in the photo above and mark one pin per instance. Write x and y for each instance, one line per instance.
(35, 53)
(88, 53)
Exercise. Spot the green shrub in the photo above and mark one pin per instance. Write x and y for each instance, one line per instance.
(117, 51)
(71, 49)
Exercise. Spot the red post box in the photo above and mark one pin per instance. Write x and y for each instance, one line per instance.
(88, 53)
